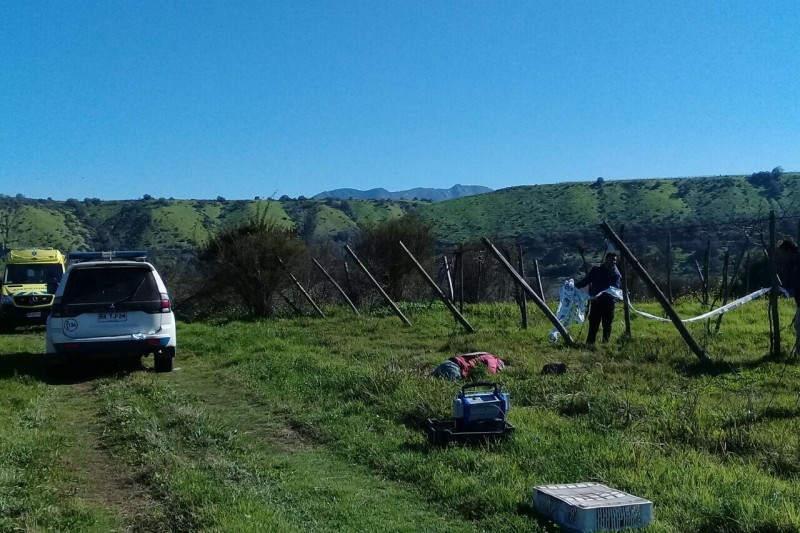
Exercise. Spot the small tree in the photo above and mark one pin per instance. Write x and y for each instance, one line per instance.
(379, 248)
(243, 260)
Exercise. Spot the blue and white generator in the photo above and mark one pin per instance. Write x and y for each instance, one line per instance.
(480, 410)
(478, 416)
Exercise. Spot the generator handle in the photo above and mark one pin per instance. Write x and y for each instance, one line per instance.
(476, 384)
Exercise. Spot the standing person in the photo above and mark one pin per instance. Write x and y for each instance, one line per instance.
(601, 308)
(792, 281)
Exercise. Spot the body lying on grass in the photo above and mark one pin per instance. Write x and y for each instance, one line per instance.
(468, 364)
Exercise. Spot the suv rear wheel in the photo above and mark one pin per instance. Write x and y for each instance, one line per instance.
(162, 362)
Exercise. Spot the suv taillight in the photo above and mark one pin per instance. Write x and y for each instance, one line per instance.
(56, 309)
(165, 306)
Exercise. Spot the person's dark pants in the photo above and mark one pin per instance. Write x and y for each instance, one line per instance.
(601, 310)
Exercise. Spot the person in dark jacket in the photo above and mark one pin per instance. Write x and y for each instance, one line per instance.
(791, 281)
(599, 279)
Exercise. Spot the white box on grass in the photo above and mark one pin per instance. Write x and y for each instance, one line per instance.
(583, 507)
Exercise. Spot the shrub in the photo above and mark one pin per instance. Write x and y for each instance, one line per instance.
(244, 261)
(379, 249)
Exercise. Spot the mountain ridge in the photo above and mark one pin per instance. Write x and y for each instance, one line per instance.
(417, 193)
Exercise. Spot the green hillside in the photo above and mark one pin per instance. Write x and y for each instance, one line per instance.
(551, 215)
(536, 211)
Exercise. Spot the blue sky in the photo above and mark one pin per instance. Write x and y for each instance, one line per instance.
(200, 99)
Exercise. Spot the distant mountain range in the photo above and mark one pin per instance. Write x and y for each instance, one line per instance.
(419, 193)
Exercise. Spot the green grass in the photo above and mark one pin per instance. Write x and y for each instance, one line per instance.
(331, 221)
(368, 212)
(310, 424)
(47, 227)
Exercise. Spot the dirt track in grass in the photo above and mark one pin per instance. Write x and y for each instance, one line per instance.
(101, 480)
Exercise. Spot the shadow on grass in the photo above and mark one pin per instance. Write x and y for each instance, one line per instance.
(721, 367)
(527, 509)
(39, 367)
(767, 414)
(728, 523)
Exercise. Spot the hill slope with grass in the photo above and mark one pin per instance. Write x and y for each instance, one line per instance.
(547, 217)
(537, 211)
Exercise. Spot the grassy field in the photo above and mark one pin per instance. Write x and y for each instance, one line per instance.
(309, 424)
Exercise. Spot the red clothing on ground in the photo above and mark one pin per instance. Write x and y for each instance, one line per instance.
(468, 360)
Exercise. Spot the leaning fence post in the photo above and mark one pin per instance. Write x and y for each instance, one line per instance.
(341, 291)
(449, 277)
(546, 310)
(673, 315)
(302, 290)
(439, 292)
(700, 275)
(386, 297)
(539, 280)
(291, 305)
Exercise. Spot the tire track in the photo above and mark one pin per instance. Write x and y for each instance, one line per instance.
(101, 479)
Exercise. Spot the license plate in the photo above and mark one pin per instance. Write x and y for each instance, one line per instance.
(34, 314)
(112, 316)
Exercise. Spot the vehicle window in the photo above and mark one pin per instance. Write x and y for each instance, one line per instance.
(110, 285)
(33, 274)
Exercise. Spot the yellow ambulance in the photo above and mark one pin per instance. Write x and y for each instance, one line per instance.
(29, 283)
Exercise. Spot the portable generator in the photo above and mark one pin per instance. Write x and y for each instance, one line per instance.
(480, 410)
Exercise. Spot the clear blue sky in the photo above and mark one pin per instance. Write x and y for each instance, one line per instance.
(199, 99)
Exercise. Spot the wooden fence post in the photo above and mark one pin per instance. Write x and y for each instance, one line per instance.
(302, 290)
(722, 295)
(626, 299)
(706, 281)
(775, 323)
(582, 251)
(539, 280)
(731, 283)
(449, 277)
(386, 297)
(669, 264)
(673, 315)
(350, 286)
(523, 301)
(290, 303)
(546, 310)
(460, 269)
(747, 274)
(700, 275)
(341, 291)
(435, 287)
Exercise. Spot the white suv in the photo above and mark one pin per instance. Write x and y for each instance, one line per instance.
(112, 304)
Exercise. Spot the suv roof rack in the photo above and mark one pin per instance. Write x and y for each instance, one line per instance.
(131, 255)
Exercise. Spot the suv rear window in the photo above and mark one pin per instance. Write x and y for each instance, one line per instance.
(110, 285)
